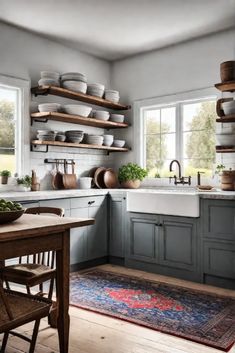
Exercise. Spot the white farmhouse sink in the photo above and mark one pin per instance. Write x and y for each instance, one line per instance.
(169, 202)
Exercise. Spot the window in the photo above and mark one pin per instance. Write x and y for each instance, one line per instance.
(14, 126)
(184, 130)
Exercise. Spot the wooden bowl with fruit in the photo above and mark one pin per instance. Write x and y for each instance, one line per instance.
(10, 211)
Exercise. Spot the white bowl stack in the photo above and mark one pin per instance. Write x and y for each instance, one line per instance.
(95, 89)
(49, 107)
(60, 136)
(95, 140)
(75, 136)
(77, 109)
(117, 118)
(225, 139)
(46, 135)
(108, 140)
(119, 143)
(101, 115)
(112, 95)
(74, 81)
(229, 107)
(49, 78)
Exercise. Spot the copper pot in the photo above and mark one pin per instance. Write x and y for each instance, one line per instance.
(228, 180)
(227, 71)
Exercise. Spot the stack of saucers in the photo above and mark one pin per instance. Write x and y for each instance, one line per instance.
(46, 135)
(112, 95)
(49, 107)
(49, 78)
(74, 81)
(95, 140)
(101, 115)
(108, 140)
(75, 136)
(95, 89)
(117, 118)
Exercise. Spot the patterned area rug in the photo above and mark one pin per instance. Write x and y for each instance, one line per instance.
(194, 315)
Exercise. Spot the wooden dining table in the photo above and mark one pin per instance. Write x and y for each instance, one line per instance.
(31, 234)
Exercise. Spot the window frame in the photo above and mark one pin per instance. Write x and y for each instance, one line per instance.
(162, 101)
(22, 126)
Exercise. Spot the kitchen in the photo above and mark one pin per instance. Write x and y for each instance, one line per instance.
(146, 75)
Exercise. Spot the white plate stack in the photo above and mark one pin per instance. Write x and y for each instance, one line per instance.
(101, 115)
(74, 81)
(112, 95)
(49, 107)
(95, 140)
(108, 140)
(75, 136)
(95, 89)
(77, 109)
(49, 78)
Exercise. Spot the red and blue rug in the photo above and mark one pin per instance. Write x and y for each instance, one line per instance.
(197, 316)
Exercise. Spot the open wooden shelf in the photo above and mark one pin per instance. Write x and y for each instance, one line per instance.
(226, 119)
(76, 119)
(225, 149)
(63, 92)
(226, 86)
(77, 145)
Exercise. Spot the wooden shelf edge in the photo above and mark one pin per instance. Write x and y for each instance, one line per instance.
(77, 119)
(226, 119)
(226, 86)
(225, 149)
(63, 92)
(78, 145)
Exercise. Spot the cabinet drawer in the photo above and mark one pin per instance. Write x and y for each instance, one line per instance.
(29, 204)
(219, 259)
(80, 202)
(62, 203)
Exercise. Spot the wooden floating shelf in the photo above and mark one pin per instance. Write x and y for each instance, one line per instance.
(226, 86)
(225, 149)
(77, 119)
(226, 119)
(63, 92)
(78, 145)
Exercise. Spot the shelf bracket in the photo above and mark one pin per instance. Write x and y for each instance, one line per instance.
(38, 120)
(32, 149)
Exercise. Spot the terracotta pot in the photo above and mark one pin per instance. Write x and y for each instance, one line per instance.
(228, 180)
(227, 71)
(131, 184)
(4, 179)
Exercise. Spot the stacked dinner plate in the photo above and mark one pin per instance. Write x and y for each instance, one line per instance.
(95, 89)
(77, 109)
(108, 140)
(46, 135)
(112, 95)
(74, 81)
(101, 115)
(75, 136)
(50, 78)
(95, 140)
(49, 107)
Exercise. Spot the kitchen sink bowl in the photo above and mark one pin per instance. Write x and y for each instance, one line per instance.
(168, 202)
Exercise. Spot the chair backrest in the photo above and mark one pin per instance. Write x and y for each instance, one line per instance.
(45, 258)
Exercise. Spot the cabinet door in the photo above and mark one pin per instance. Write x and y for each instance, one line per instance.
(78, 238)
(218, 221)
(117, 217)
(62, 203)
(97, 233)
(178, 243)
(143, 238)
(26, 204)
(219, 259)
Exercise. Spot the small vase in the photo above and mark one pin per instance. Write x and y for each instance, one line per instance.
(4, 179)
(131, 184)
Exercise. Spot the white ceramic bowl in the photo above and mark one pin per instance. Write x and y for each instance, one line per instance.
(95, 139)
(76, 109)
(229, 107)
(48, 82)
(101, 115)
(226, 139)
(76, 86)
(74, 76)
(117, 118)
(84, 182)
(108, 140)
(119, 143)
(50, 74)
(49, 107)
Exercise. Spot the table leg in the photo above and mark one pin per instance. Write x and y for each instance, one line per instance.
(62, 290)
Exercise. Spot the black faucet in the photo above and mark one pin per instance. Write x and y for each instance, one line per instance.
(180, 179)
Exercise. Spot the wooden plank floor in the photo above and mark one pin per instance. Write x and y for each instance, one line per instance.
(94, 333)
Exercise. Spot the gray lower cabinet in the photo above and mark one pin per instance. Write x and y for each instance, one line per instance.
(117, 226)
(218, 242)
(61, 203)
(163, 244)
(89, 243)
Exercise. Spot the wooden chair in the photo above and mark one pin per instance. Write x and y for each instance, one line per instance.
(18, 309)
(33, 270)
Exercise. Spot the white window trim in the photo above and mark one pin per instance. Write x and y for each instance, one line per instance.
(23, 123)
(140, 105)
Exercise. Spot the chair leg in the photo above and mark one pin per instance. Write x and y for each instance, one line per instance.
(4, 342)
(34, 336)
(28, 289)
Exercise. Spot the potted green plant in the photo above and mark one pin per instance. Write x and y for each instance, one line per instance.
(24, 182)
(5, 174)
(130, 175)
